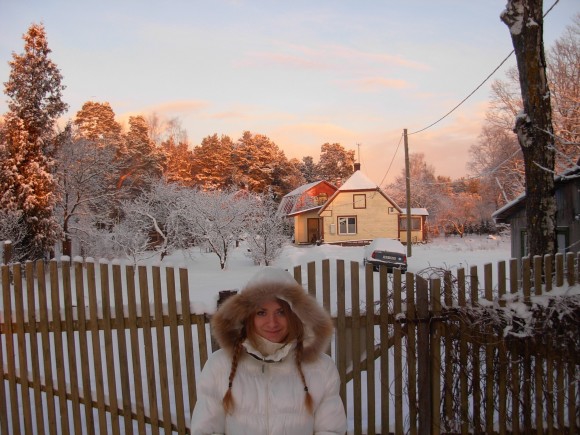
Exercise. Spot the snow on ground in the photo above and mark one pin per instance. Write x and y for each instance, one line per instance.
(207, 279)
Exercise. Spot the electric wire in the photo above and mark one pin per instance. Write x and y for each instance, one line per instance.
(478, 86)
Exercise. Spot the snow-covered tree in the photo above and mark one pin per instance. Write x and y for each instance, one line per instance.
(496, 160)
(11, 229)
(143, 161)
(84, 185)
(213, 165)
(96, 122)
(131, 240)
(265, 231)
(153, 212)
(27, 136)
(336, 164)
(35, 89)
(219, 219)
(308, 169)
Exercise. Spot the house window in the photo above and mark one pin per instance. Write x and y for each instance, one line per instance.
(322, 198)
(391, 210)
(359, 200)
(347, 225)
(415, 223)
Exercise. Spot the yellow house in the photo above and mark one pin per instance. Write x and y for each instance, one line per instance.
(359, 211)
(355, 213)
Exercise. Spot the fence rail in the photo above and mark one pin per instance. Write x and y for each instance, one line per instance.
(104, 348)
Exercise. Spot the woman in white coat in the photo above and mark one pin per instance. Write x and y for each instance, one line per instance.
(271, 375)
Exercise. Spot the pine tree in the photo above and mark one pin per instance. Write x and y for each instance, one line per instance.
(336, 164)
(143, 160)
(96, 122)
(212, 163)
(35, 90)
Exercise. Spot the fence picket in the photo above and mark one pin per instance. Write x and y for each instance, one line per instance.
(71, 345)
(135, 348)
(162, 351)
(463, 352)
(384, 338)
(176, 363)
(46, 347)
(148, 345)
(86, 397)
(411, 350)
(341, 328)
(96, 344)
(120, 330)
(32, 332)
(187, 336)
(435, 348)
(58, 347)
(398, 351)
(22, 353)
(489, 351)
(370, 348)
(356, 347)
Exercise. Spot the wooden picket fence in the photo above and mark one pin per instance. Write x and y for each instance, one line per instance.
(91, 348)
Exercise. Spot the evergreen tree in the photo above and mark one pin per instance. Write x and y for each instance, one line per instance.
(336, 164)
(96, 122)
(178, 166)
(142, 160)
(212, 163)
(27, 136)
(308, 169)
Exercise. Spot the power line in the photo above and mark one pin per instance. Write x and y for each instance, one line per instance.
(479, 86)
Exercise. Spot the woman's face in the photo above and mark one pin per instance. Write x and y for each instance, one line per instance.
(271, 321)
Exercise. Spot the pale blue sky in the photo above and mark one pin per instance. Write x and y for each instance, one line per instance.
(301, 72)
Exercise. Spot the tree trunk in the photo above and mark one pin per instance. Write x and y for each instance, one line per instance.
(533, 125)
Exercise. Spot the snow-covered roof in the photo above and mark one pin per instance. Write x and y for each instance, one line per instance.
(301, 189)
(416, 211)
(358, 181)
(507, 210)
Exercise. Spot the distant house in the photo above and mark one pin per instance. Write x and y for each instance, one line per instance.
(302, 205)
(355, 213)
(567, 193)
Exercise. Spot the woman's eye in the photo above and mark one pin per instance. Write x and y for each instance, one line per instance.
(261, 313)
(280, 313)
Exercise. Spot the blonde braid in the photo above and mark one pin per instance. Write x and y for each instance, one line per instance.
(308, 399)
(228, 400)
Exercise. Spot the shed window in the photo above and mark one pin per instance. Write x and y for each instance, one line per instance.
(347, 225)
(415, 223)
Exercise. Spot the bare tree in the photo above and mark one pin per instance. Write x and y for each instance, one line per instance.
(533, 124)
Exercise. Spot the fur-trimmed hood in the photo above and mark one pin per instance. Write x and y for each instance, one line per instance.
(270, 283)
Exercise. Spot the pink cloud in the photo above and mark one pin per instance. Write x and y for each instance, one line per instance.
(325, 57)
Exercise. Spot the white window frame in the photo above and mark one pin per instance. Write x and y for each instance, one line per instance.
(346, 222)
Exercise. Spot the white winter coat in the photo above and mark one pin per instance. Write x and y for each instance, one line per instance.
(269, 397)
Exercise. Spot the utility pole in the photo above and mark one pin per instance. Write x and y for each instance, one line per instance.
(408, 187)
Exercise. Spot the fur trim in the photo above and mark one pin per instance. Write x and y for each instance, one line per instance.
(229, 319)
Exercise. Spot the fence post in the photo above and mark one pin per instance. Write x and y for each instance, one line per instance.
(7, 252)
(423, 357)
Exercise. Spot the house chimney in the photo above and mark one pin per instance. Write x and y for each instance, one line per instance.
(356, 167)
